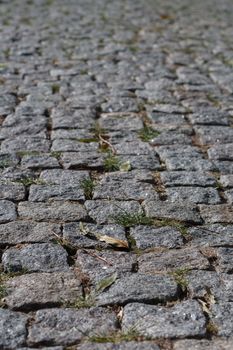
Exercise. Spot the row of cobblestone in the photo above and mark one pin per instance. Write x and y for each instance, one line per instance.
(116, 188)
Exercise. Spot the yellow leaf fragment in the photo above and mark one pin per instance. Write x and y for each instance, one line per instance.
(119, 243)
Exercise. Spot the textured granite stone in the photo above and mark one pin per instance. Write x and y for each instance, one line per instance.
(43, 257)
(13, 330)
(179, 321)
(40, 290)
(67, 326)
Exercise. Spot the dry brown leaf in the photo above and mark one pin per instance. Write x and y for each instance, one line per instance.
(119, 243)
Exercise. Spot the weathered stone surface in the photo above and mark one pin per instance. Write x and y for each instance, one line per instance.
(213, 134)
(39, 290)
(124, 187)
(181, 320)
(151, 237)
(216, 213)
(77, 238)
(225, 259)
(44, 193)
(105, 211)
(103, 264)
(212, 235)
(131, 345)
(198, 195)
(201, 283)
(79, 160)
(43, 257)
(12, 191)
(118, 122)
(221, 316)
(67, 326)
(187, 178)
(171, 260)
(55, 211)
(13, 330)
(221, 152)
(226, 181)
(64, 177)
(139, 288)
(18, 232)
(7, 211)
(193, 344)
(44, 161)
(25, 144)
(73, 146)
(169, 210)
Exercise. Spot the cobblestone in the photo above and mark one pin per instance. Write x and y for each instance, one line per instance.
(116, 189)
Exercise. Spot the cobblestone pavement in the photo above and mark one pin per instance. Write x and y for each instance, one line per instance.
(116, 175)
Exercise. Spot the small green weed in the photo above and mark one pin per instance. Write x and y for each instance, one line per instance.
(28, 153)
(173, 223)
(88, 186)
(55, 88)
(27, 181)
(4, 163)
(117, 337)
(56, 154)
(180, 277)
(211, 328)
(147, 133)
(82, 302)
(111, 162)
(128, 219)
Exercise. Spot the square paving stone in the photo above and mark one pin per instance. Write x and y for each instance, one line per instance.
(139, 287)
(67, 326)
(198, 195)
(120, 122)
(201, 283)
(78, 239)
(221, 152)
(211, 118)
(28, 232)
(133, 148)
(147, 237)
(43, 193)
(226, 181)
(222, 317)
(212, 235)
(62, 145)
(105, 211)
(7, 211)
(25, 144)
(210, 135)
(43, 257)
(187, 178)
(64, 177)
(39, 290)
(81, 160)
(124, 186)
(203, 344)
(220, 213)
(225, 259)
(44, 161)
(13, 331)
(169, 210)
(223, 166)
(144, 161)
(54, 211)
(12, 191)
(171, 260)
(99, 265)
(185, 319)
(131, 345)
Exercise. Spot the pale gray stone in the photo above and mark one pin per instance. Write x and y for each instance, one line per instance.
(39, 290)
(67, 326)
(185, 319)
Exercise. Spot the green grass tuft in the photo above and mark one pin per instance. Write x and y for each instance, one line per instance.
(88, 186)
(147, 133)
(127, 219)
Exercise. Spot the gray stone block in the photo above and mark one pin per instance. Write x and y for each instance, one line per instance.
(43, 257)
(13, 330)
(184, 319)
(67, 326)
